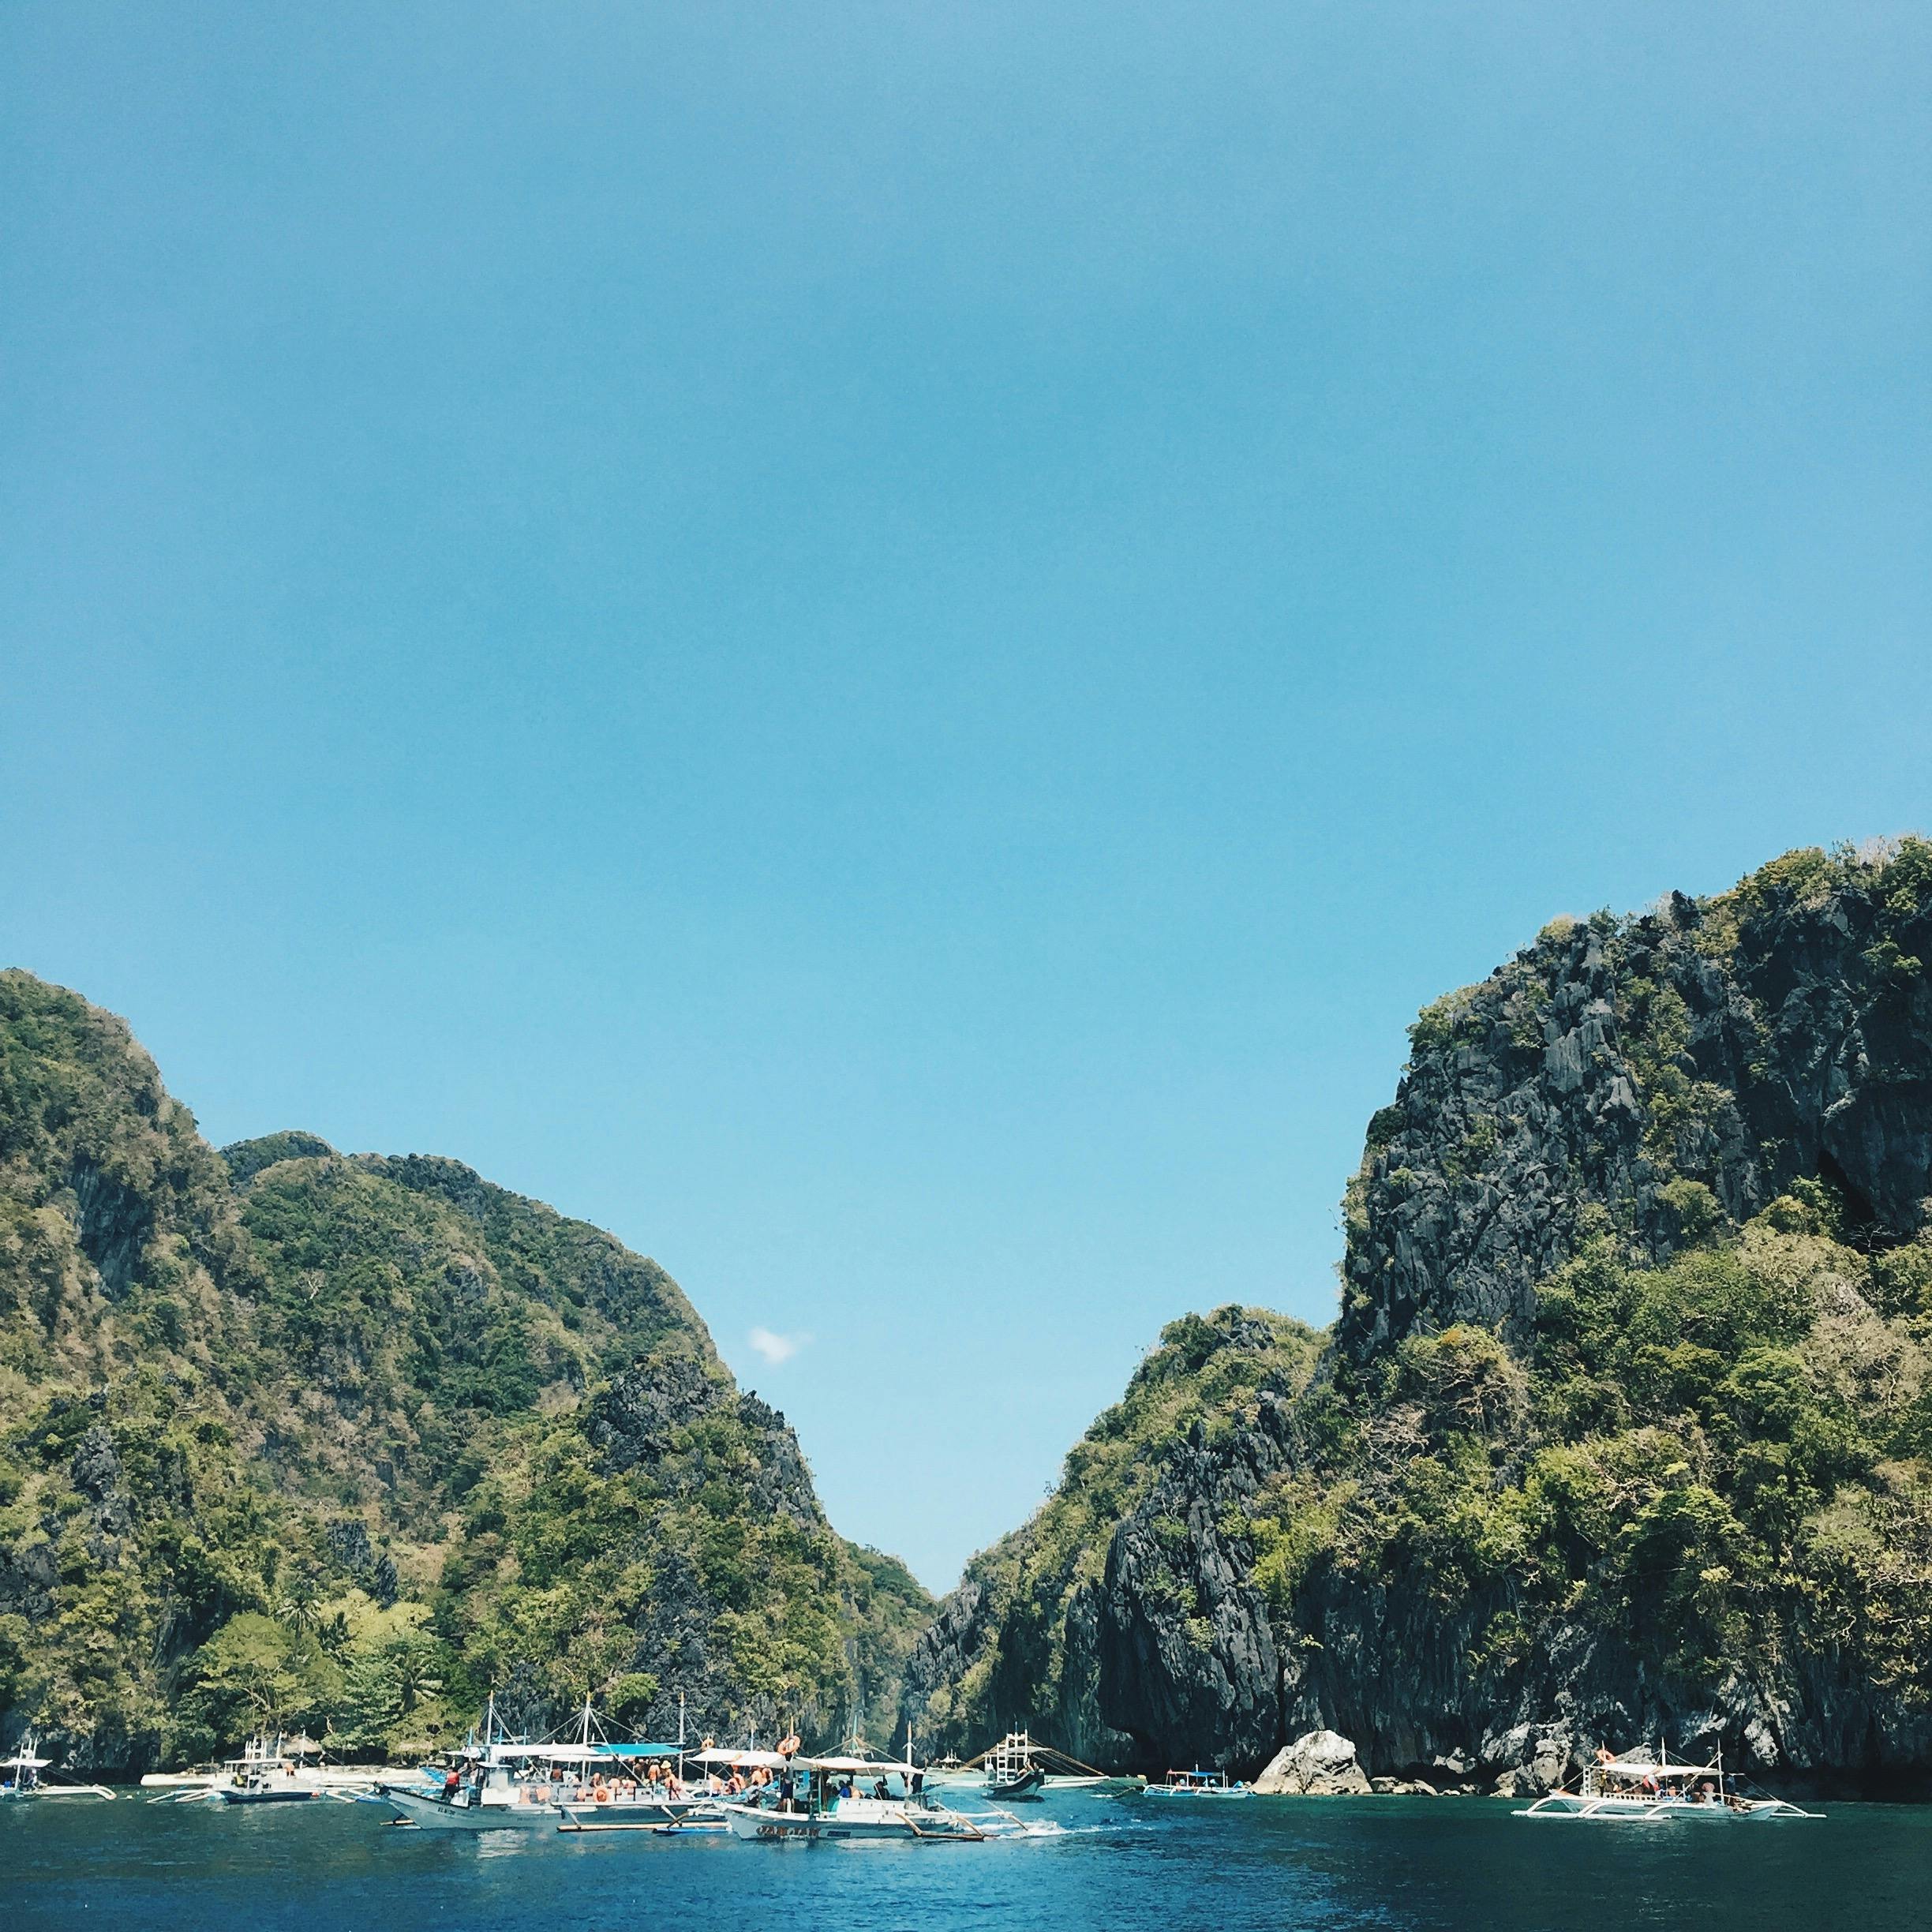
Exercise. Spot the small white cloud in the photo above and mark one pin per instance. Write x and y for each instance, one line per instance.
(777, 1348)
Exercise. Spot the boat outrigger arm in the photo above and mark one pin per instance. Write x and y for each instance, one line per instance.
(1020, 1766)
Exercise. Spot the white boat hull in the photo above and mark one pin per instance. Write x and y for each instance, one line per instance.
(852, 1818)
(639, 1812)
(1597, 1810)
(433, 1810)
(440, 1813)
(665, 1818)
(334, 1782)
(1601, 1810)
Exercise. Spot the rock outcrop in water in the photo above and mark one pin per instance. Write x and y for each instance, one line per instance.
(1624, 1429)
(1320, 1764)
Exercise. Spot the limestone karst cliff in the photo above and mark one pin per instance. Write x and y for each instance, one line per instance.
(1624, 1430)
(1646, 1068)
(342, 1442)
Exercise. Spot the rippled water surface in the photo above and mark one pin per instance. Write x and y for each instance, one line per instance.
(1459, 1865)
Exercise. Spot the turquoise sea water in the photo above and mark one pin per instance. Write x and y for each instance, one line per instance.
(1448, 1865)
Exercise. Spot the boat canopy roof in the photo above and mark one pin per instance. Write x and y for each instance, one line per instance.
(580, 1753)
(723, 1754)
(24, 1760)
(1643, 1767)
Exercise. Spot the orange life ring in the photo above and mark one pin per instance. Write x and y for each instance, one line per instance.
(602, 1794)
(787, 1746)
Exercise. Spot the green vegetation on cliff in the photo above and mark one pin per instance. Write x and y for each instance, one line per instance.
(1720, 1460)
(1008, 1636)
(299, 1439)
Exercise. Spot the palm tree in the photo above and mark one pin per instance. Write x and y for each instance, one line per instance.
(301, 1607)
(414, 1680)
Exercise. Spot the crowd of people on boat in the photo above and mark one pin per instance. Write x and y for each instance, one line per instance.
(660, 1782)
(1685, 1785)
(560, 1786)
(754, 1785)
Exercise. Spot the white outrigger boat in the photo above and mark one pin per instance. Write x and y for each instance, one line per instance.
(819, 1798)
(1197, 1783)
(1633, 1790)
(263, 1775)
(23, 1776)
(276, 1770)
(507, 1781)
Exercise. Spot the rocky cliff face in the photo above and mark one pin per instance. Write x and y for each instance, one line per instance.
(1782, 1032)
(644, 1414)
(1624, 1430)
(1121, 1621)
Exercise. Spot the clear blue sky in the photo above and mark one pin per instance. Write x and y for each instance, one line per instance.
(885, 647)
